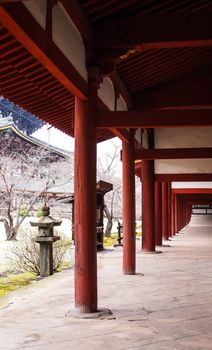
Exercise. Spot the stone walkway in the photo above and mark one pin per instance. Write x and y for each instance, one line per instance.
(169, 307)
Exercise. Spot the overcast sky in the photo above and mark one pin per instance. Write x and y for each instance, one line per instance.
(65, 142)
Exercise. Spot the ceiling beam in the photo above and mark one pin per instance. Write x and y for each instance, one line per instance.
(182, 92)
(155, 32)
(18, 20)
(185, 98)
(173, 153)
(154, 118)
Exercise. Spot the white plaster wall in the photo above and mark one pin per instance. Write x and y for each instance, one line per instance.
(37, 8)
(192, 184)
(183, 137)
(138, 135)
(68, 39)
(183, 166)
(145, 139)
(121, 104)
(64, 33)
(106, 93)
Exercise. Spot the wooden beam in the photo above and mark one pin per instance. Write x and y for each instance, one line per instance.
(154, 118)
(176, 177)
(173, 153)
(155, 31)
(184, 177)
(18, 20)
(192, 190)
(123, 134)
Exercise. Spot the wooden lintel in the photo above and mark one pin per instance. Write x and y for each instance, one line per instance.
(184, 177)
(154, 118)
(173, 153)
(155, 31)
(18, 20)
(192, 191)
(195, 177)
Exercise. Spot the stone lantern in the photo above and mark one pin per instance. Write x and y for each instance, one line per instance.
(46, 238)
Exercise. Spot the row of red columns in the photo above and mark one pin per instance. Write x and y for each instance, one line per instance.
(163, 214)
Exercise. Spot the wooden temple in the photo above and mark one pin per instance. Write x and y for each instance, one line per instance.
(139, 70)
(29, 181)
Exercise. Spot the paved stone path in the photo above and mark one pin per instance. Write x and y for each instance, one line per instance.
(169, 307)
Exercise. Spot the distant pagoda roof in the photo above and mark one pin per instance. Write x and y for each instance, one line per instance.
(24, 120)
(7, 123)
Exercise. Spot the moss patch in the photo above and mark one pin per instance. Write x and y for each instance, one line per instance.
(13, 282)
(65, 265)
(110, 241)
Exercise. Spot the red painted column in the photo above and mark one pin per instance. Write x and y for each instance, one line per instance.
(158, 214)
(187, 213)
(181, 213)
(169, 207)
(129, 257)
(173, 214)
(85, 204)
(165, 232)
(148, 206)
(176, 213)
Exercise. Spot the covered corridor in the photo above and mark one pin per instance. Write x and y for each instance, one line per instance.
(168, 307)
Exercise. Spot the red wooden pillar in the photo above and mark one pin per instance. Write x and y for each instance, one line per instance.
(165, 232)
(158, 214)
(176, 213)
(169, 207)
(129, 259)
(148, 206)
(190, 212)
(187, 213)
(85, 204)
(181, 212)
(173, 214)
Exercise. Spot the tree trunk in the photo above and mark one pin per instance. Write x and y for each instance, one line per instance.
(109, 222)
(109, 228)
(11, 232)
